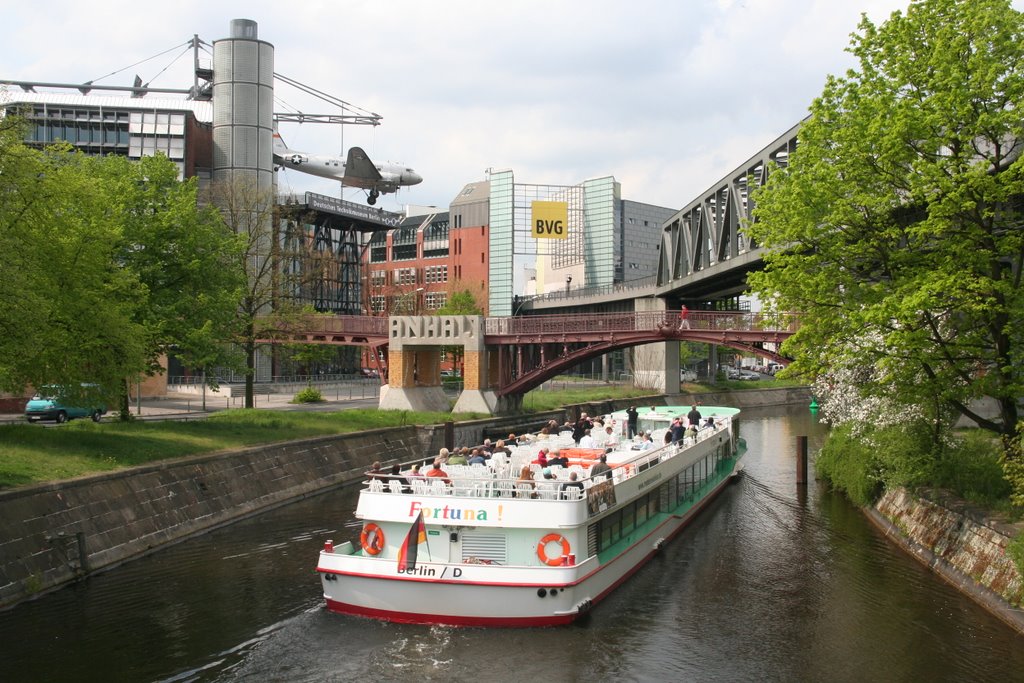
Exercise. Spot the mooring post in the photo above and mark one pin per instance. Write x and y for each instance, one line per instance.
(83, 558)
(801, 460)
(449, 435)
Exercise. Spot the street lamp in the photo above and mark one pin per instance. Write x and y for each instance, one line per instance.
(401, 305)
(568, 281)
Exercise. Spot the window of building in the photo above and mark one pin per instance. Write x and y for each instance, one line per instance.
(435, 274)
(405, 276)
(435, 300)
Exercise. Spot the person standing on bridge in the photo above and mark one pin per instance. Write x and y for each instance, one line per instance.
(684, 318)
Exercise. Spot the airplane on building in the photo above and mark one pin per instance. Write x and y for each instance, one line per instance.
(355, 171)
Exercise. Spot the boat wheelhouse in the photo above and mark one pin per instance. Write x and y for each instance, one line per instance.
(480, 548)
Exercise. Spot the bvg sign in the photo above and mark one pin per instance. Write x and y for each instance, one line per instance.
(550, 220)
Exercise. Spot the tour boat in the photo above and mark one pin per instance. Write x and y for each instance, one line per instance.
(484, 549)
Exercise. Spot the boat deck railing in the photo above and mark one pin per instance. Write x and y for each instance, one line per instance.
(500, 477)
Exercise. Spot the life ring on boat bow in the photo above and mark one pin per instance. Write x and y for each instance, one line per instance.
(555, 561)
(372, 539)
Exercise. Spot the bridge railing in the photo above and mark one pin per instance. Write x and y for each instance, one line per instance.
(639, 321)
(374, 326)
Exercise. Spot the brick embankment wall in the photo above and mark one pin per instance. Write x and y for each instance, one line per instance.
(958, 543)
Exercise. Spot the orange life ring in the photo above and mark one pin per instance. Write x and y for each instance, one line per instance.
(542, 550)
(372, 539)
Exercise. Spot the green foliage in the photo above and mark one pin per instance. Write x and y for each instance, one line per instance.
(969, 467)
(894, 230)
(540, 400)
(107, 265)
(1012, 462)
(862, 461)
(308, 395)
(1015, 550)
(460, 303)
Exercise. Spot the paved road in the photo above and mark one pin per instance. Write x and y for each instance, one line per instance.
(188, 406)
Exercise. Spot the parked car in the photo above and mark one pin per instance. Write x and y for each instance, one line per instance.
(50, 404)
(748, 375)
(369, 372)
(686, 375)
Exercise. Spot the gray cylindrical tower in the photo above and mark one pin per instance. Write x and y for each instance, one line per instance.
(243, 106)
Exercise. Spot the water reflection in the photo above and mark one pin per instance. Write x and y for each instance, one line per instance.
(774, 582)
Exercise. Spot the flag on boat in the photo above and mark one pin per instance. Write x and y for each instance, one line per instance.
(407, 554)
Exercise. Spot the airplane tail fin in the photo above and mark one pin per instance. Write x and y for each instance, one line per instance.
(279, 146)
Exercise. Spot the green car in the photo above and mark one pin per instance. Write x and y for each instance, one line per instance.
(49, 405)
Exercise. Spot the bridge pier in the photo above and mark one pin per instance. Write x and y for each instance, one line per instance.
(479, 375)
(656, 365)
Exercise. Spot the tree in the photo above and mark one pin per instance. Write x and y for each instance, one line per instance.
(461, 302)
(184, 256)
(269, 304)
(67, 306)
(896, 229)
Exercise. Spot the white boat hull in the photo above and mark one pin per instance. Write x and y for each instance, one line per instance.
(474, 595)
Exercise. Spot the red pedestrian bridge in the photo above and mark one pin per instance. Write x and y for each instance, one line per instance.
(518, 353)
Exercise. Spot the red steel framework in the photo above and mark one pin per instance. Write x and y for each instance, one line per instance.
(533, 349)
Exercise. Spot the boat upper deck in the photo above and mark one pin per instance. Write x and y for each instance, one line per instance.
(500, 476)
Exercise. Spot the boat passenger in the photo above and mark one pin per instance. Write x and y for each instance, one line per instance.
(458, 458)
(525, 480)
(693, 416)
(414, 472)
(610, 439)
(500, 447)
(477, 457)
(442, 455)
(437, 472)
(396, 475)
(691, 433)
(648, 443)
(581, 427)
(678, 430)
(710, 421)
(587, 441)
(600, 468)
(547, 473)
(376, 472)
(563, 490)
(542, 458)
(556, 459)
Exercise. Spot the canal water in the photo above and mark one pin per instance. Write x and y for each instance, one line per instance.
(771, 583)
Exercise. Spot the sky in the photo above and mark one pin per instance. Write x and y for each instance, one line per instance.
(668, 97)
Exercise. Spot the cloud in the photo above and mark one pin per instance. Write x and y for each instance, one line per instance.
(667, 97)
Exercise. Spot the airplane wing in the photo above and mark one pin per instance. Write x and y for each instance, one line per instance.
(359, 165)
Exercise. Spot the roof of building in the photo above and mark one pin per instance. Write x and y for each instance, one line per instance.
(203, 111)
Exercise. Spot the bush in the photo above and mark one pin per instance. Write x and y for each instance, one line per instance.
(308, 395)
(847, 463)
(970, 468)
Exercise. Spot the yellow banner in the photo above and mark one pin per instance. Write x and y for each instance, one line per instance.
(550, 220)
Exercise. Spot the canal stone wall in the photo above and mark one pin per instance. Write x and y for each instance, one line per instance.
(962, 545)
